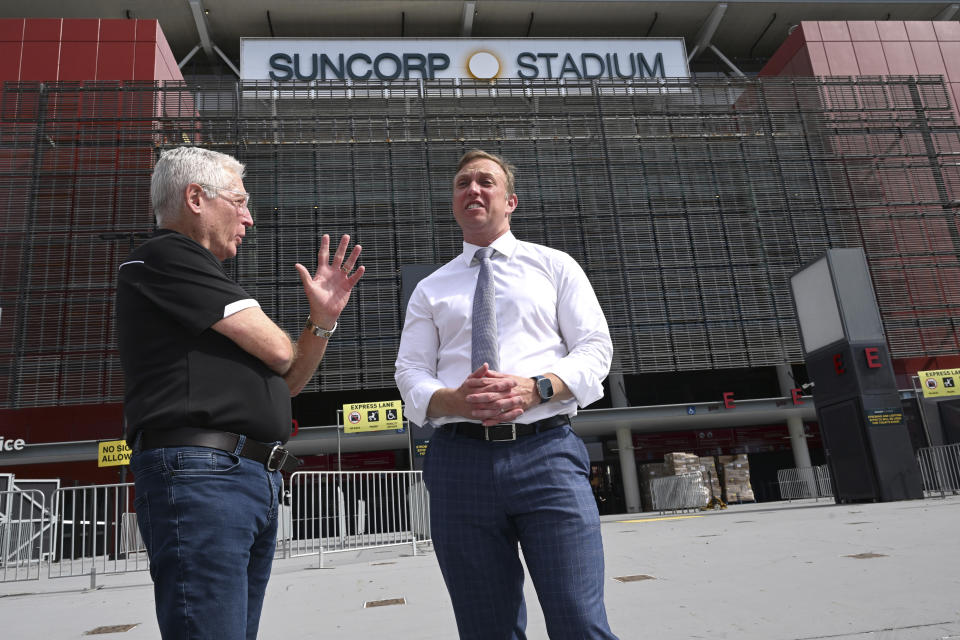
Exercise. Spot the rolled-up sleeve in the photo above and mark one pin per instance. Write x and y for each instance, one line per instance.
(416, 366)
(584, 330)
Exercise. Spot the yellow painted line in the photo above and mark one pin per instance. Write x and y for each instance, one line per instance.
(657, 519)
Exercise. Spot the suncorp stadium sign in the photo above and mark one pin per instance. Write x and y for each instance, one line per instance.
(282, 60)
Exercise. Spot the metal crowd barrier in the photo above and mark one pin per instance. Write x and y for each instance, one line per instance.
(679, 493)
(96, 533)
(334, 511)
(940, 469)
(805, 482)
(25, 534)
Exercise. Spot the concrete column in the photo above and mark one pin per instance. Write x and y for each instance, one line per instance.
(628, 463)
(798, 441)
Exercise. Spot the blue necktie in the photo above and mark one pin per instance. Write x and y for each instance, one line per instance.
(484, 339)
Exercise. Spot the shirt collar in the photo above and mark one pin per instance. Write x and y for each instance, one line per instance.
(505, 244)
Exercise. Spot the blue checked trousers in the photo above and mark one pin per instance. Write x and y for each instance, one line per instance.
(485, 498)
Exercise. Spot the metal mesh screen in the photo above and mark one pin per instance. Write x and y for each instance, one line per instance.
(689, 204)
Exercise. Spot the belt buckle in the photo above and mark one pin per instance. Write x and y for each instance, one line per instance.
(283, 460)
(510, 438)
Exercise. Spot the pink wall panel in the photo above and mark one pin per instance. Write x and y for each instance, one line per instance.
(11, 30)
(891, 30)
(78, 61)
(40, 61)
(928, 58)
(870, 58)
(951, 60)
(920, 31)
(834, 31)
(899, 57)
(818, 59)
(115, 61)
(863, 30)
(811, 31)
(947, 30)
(841, 57)
(10, 60)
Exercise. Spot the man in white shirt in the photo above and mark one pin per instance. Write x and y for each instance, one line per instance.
(505, 466)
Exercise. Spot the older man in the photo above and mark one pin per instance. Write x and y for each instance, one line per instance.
(499, 347)
(208, 383)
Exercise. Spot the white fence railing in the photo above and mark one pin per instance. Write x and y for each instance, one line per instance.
(25, 534)
(96, 532)
(804, 482)
(334, 511)
(940, 469)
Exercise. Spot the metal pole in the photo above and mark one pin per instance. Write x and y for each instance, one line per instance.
(918, 392)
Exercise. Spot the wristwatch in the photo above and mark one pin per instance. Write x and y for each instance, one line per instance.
(317, 330)
(544, 387)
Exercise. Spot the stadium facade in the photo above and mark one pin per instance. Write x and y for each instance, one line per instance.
(691, 156)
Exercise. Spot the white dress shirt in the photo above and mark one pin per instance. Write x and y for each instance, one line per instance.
(548, 319)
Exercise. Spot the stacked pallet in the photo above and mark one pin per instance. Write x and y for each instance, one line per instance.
(736, 478)
(711, 479)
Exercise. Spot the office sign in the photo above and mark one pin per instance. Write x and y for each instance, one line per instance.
(316, 59)
(372, 416)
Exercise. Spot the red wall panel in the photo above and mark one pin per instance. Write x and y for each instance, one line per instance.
(145, 60)
(10, 60)
(115, 61)
(11, 29)
(40, 61)
(78, 61)
(49, 49)
(81, 30)
(42, 29)
(118, 30)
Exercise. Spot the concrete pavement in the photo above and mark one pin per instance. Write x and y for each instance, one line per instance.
(771, 571)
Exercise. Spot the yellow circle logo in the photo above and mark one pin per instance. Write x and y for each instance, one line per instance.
(483, 65)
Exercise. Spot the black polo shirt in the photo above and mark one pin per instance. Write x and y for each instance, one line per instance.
(178, 371)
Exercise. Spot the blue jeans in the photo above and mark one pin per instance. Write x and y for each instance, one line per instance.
(209, 521)
(488, 498)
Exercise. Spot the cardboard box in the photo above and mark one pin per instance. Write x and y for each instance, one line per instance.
(735, 472)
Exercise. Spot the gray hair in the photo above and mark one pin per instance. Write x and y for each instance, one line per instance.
(182, 166)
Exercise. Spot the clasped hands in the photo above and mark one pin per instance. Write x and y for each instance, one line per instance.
(495, 397)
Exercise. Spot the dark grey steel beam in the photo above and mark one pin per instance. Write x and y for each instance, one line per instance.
(591, 423)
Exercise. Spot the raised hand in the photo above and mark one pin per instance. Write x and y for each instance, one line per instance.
(328, 290)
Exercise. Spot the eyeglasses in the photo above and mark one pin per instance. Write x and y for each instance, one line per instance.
(241, 202)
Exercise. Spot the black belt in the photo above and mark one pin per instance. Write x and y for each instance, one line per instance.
(504, 432)
(272, 456)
